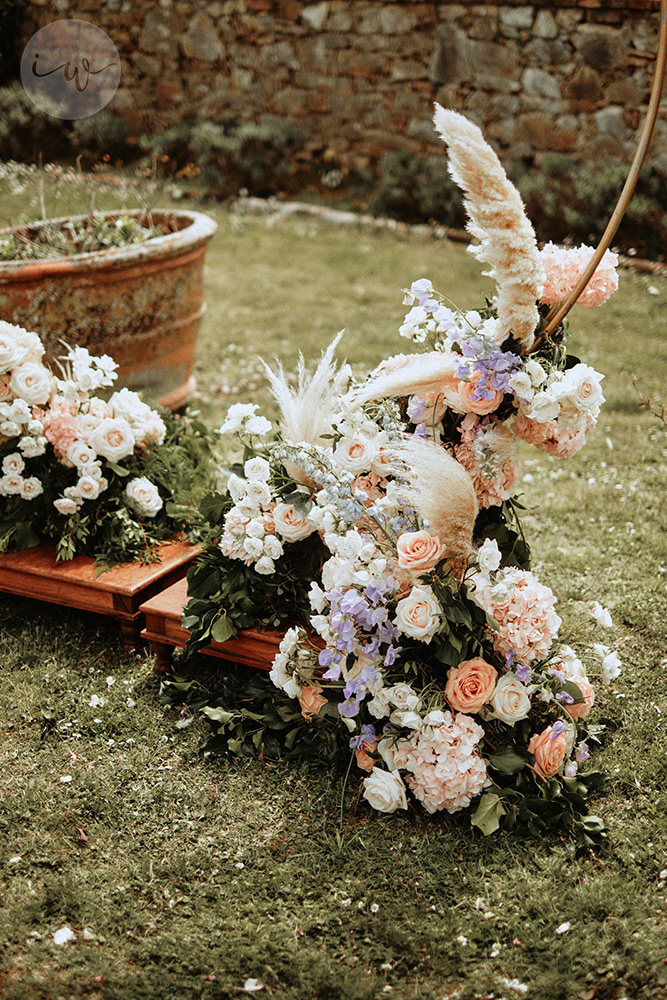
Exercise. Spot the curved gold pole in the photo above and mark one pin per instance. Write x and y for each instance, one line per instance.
(559, 312)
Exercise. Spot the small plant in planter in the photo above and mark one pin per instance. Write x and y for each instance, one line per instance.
(109, 478)
(128, 284)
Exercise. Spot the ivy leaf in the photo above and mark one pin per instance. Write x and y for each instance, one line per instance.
(508, 760)
(218, 714)
(223, 628)
(488, 814)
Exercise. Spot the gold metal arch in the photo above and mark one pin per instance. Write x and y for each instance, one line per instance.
(559, 312)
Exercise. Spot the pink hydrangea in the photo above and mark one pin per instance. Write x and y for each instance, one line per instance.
(563, 438)
(60, 426)
(524, 610)
(445, 771)
(562, 268)
(488, 453)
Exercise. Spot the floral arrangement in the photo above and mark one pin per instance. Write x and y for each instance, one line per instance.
(379, 523)
(108, 478)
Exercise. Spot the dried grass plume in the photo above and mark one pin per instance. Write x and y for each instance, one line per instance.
(423, 373)
(497, 218)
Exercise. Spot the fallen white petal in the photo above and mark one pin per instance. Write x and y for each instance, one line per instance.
(65, 778)
(64, 935)
(252, 985)
(563, 927)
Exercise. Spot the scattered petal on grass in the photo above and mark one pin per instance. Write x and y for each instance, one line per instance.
(15, 860)
(345, 902)
(110, 681)
(96, 702)
(239, 864)
(514, 984)
(562, 928)
(184, 723)
(462, 940)
(64, 935)
(130, 703)
(87, 934)
(495, 949)
(65, 778)
(252, 985)
(374, 907)
(652, 290)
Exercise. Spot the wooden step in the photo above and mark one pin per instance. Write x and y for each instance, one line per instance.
(80, 584)
(164, 632)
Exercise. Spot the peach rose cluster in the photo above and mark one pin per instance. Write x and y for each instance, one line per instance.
(470, 685)
(418, 551)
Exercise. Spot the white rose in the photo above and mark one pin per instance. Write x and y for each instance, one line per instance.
(581, 385)
(80, 454)
(254, 547)
(272, 547)
(143, 496)
(521, 385)
(254, 528)
(379, 705)
(31, 381)
(130, 406)
(12, 464)
(31, 488)
(601, 615)
(10, 428)
(395, 753)
(355, 453)
(266, 567)
(385, 791)
(611, 668)
(278, 672)
(11, 485)
(258, 491)
(407, 720)
(403, 696)
(257, 468)
(88, 487)
(112, 438)
(20, 411)
(258, 426)
(236, 487)
(12, 353)
(65, 506)
(544, 407)
(510, 701)
(291, 525)
(536, 372)
(418, 614)
(236, 414)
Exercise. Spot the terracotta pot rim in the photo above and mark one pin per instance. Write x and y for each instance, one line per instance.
(197, 232)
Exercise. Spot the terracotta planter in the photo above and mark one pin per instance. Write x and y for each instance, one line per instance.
(142, 304)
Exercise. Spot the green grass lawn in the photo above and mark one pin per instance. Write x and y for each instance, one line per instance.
(188, 876)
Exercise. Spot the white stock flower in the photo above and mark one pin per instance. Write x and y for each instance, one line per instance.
(272, 547)
(32, 447)
(337, 574)
(113, 439)
(257, 468)
(258, 491)
(385, 791)
(129, 405)
(254, 547)
(318, 601)
(32, 382)
(254, 528)
(143, 496)
(236, 415)
(236, 487)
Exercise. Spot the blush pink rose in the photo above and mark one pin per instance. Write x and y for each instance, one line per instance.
(364, 761)
(549, 753)
(311, 700)
(478, 406)
(418, 551)
(470, 685)
(580, 709)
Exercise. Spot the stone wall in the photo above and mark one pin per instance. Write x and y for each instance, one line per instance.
(360, 77)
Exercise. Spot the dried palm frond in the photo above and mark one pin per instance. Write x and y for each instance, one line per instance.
(497, 218)
(440, 491)
(423, 373)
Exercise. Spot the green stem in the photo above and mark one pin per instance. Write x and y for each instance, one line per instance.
(342, 794)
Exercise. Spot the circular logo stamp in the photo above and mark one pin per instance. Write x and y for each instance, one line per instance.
(70, 69)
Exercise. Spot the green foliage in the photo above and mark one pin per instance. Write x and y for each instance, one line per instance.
(95, 232)
(417, 188)
(25, 131)
(256, 157)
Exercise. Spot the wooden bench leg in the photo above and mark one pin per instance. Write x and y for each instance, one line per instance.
(131, 632)
(162, 651)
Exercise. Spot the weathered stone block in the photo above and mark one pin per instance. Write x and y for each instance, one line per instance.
(396, 20)
(148, 65)
(340, 19)
(483, 25)
(585, 85)
(452, 60)
(279, 54)
(627, 92)
(609, 121)
(408, 71)
(316, 15)
(514, 20)
(540, 83)
(496, 65)
(543, 52)
(201, 41)
(545, 25)
(157, 34)
(601, 47)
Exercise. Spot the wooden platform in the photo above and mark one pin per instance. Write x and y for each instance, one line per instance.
(164, 631)
(117, 592)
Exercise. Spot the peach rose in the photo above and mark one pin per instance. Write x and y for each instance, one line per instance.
(290, 525)
(548, 752)
(311, 700)
(478, 406)
(419, 614)
(364, 760)
(470, 685)
(418, 551)
(580, 709)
